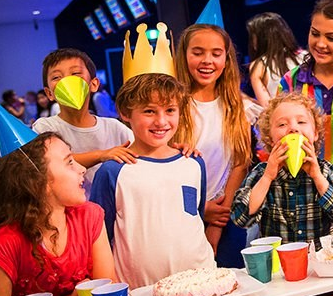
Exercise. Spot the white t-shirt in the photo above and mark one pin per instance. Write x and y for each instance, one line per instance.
(274, 80)
(252, 111)
(55, 109)
(107, 133)
(152, 214)
(209, 132)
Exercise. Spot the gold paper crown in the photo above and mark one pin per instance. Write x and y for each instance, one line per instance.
(144, 61)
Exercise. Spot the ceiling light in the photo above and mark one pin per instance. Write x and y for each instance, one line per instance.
(36, 12)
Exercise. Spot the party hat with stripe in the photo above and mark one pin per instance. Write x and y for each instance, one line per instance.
(14, 133)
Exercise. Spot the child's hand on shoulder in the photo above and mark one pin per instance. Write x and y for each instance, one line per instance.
(276, 160)
(120, 154)
(310, 162)
(187, 150)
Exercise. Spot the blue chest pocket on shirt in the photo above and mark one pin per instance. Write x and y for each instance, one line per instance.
(190, 200)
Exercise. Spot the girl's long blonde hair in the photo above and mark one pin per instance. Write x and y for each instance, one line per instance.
(227, 87)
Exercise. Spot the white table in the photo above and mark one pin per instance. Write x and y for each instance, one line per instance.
(312, 285)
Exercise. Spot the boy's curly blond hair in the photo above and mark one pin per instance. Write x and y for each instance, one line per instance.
(264, 121)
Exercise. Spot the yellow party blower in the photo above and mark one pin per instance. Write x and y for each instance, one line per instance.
(295, 152)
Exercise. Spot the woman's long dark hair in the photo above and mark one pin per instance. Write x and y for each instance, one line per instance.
(271, 38)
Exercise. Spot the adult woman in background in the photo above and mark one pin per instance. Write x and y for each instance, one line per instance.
(315, 76)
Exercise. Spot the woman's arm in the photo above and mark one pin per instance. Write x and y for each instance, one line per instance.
(259, 84)
(103, 262)
(5, 284)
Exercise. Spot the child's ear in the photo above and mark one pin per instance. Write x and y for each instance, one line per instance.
(94, 84)
(316, 136)
(269, 141)
(49, 94)
(124, 117)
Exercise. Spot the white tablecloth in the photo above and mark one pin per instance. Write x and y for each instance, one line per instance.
(312, 285)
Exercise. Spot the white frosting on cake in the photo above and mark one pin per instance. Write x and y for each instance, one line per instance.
(197, 282)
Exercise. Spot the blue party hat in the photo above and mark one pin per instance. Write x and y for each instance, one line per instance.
(13, 133)
(211, 14)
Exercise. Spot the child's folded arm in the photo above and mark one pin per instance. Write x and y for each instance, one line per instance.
(120, 154)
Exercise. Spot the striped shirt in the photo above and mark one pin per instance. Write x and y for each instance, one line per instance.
(292, 208)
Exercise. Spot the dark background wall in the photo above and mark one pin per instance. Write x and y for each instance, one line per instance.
(177, 14)
(106, 52)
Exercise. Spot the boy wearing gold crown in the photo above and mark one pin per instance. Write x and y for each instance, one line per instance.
(291, 195)
(154, 208)
(69, 77)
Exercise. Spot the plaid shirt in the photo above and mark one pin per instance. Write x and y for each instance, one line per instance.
(292, 209)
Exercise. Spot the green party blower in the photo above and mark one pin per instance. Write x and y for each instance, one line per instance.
(295, 152)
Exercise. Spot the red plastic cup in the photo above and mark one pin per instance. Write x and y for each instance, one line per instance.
(294, 260)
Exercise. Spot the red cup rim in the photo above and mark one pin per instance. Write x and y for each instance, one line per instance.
(292, 246)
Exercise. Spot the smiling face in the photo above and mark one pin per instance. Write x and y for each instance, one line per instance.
(320, 39)
(153, 126)
(65, 175)
(291, 117)
(206, 57)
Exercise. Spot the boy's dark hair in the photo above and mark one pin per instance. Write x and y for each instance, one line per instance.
(61, 54)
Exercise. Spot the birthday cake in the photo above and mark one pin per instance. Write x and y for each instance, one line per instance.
(197, 282)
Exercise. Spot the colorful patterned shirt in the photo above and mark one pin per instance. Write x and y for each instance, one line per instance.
(293, 208)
